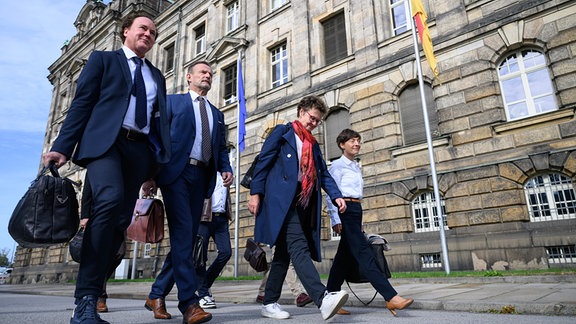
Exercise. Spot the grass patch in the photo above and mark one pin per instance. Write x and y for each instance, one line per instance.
(422, 274)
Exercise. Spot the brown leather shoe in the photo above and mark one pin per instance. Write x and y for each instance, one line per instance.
(194, 314)
(259, 299)
(303, 300)
(398, 302)
(101, 305)
(158, 307)
(342, 311)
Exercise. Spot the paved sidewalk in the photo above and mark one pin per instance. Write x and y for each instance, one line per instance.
(545, 295)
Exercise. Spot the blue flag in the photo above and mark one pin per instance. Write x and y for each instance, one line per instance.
(241, 107)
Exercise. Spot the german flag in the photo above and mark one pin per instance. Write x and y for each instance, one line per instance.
(420, 17)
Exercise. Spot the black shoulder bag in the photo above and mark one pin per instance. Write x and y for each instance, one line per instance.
(48, 213)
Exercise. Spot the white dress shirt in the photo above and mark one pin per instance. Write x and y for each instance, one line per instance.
(348, 177)
(196, 152)
(151, 91)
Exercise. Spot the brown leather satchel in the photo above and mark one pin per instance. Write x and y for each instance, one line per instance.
(147, 221)
(255, 255)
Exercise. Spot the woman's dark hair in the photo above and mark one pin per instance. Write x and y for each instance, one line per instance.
(129, 20)
(346, 135)
(310, 102)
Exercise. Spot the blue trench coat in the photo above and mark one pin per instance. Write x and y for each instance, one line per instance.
(275, 179)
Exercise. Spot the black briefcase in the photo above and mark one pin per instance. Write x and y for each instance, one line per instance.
(48, 213)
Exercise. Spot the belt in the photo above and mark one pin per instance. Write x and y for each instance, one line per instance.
(133, 135)
(218, 214)
(356, 200)
(197, 163)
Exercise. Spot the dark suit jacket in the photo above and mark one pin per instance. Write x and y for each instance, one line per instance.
(276, 179)
(100, 103)
(182, 135)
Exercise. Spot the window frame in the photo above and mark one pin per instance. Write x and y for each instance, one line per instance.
(333, 40)
(232, 16)
(424, 212)
(230, 77)
(548, 197)
(529, 102)
(400, 29)
(282, 61)
(200, 40)
(169, 53)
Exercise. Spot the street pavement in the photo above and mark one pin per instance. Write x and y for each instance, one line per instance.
(526, 295)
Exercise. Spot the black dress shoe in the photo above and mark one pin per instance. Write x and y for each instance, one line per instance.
(85, 312)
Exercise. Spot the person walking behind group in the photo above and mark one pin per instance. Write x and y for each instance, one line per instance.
(301, 298)
(353, 244)
(214, 224)
(198, 153)
(117, 128)
(286, 198)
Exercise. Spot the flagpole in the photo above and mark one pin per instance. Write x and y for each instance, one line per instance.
(237, 167)
(239, 99)
(430, 148)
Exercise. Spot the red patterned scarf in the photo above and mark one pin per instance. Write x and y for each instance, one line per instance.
(306, 163)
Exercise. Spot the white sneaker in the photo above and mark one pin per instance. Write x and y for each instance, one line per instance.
(274, 311)
(332, 302)
(207, 302)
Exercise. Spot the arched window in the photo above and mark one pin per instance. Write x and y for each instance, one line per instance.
(550, 197)
(337, 120)
(425, 213)
(526, 85)
(411, 116)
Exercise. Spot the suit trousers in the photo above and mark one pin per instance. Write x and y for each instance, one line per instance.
(353, 239)
(291, 280)
(219, 230)
(292, 244)
(115, 179)
(183, 200)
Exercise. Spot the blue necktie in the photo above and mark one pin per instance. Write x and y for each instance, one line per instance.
(139, 91)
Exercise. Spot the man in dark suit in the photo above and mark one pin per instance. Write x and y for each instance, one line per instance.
(199, 151)
(118, 129)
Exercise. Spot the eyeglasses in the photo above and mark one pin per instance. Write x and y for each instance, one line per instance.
(314, 119)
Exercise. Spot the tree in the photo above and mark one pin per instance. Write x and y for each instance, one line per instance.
(5, 258)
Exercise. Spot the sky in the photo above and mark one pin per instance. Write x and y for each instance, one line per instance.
(32, 33)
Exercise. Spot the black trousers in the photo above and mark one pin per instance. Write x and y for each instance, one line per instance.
(353, 239)
(115, 179)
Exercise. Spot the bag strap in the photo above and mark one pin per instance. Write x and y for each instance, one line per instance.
(363, 303)
(54, 171)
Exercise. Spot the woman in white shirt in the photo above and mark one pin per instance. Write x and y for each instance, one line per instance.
(347, 174)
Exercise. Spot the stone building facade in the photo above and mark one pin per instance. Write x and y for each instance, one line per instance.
(501, 115)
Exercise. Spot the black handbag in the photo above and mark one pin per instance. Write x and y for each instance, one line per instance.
(256, 256)
(247, 178)
(199, 256)
(47, 214)
(75, 245)
(378, 245)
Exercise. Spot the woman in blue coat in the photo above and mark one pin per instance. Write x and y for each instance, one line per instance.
(285, 196)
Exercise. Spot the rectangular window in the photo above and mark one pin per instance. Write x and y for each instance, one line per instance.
(401, 16)
(335, 47)
(232, 16)
(277, 4)
(169, 55)
(230, 84)
(279, 65)
(561, 254)
(147, 250)
(430, 261)
(200, 43)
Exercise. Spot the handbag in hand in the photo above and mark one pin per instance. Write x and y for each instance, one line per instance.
(256, 256)
(247, 179)
(147, 224)
(75, 245)
(199, 256)
(48, 213)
